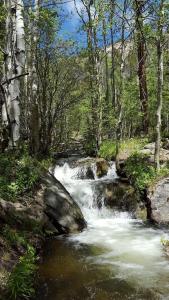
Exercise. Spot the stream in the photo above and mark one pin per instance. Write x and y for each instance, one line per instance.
(116, 257)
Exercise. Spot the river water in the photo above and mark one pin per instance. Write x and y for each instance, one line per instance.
(116, 257)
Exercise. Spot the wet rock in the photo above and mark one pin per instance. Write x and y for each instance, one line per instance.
(118, 195)
(86, 172)
(158, 202)
(102, 167)
(121, 170)
(89, 173)
(92, 167)
(85, 161)
(61, 209)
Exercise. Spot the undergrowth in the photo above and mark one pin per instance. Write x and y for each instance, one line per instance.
(141, 173)
(14, 237)
(19, 174)
(108, 147)
(21, 280)
(19, 177)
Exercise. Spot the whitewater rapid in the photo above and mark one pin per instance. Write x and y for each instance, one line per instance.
(132, 249)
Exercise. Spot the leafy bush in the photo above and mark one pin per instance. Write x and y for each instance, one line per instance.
(21, 280)
(108, 150)
(13, 237)
(17, 175)
(142, 173)
(139, 171)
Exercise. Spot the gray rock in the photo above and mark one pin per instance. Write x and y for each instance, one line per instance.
(150, 146)
(87, 164)
(61, 209)
(149, 151)
(52, 209)
(165, 144)
(158, 202)
(28, 216)
(120, 196)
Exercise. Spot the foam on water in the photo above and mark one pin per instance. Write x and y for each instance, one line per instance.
(132, 249)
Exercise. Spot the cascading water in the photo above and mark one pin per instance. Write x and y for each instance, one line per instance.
(116, 257)
(84, 191)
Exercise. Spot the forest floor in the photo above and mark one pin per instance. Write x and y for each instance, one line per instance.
(127, 148)
(20, 242)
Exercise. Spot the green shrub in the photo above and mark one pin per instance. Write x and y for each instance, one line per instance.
(13, 237)
(140, 171)
(108, 150)
(21, 280)
(17, 175)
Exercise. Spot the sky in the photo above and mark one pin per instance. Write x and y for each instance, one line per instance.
(72, 23)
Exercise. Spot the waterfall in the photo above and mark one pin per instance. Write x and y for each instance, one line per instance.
(84, 191)
(115, 257)
(132, 250)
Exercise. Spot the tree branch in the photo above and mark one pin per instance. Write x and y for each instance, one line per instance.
(13, 78)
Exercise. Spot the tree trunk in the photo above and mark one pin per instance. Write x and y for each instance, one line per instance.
(159, 85)
(112, 4)
(13, 69)
(34, 118)
(122, 77)
(141, 55)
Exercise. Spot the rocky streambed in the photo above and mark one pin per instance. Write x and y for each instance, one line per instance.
(117, 256)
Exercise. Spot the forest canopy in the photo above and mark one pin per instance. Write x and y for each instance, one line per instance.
(109, 81)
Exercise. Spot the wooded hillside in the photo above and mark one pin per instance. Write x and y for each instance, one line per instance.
(114, 87)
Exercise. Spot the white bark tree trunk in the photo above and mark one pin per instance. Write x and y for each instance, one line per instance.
(34, 122)
(13, 68)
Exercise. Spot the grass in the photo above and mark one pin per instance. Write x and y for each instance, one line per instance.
(13, 237)
(21, 280)
(127, 147)
(19, 283)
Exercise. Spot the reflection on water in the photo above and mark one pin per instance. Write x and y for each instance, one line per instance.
(116, 257)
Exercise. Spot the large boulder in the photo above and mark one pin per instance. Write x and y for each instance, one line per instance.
(121, 196)
(61, 209)
(29, 215)
(158, 202)
(52, 209)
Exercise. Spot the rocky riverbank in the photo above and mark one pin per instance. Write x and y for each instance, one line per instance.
(33, 205)
(153, 186)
